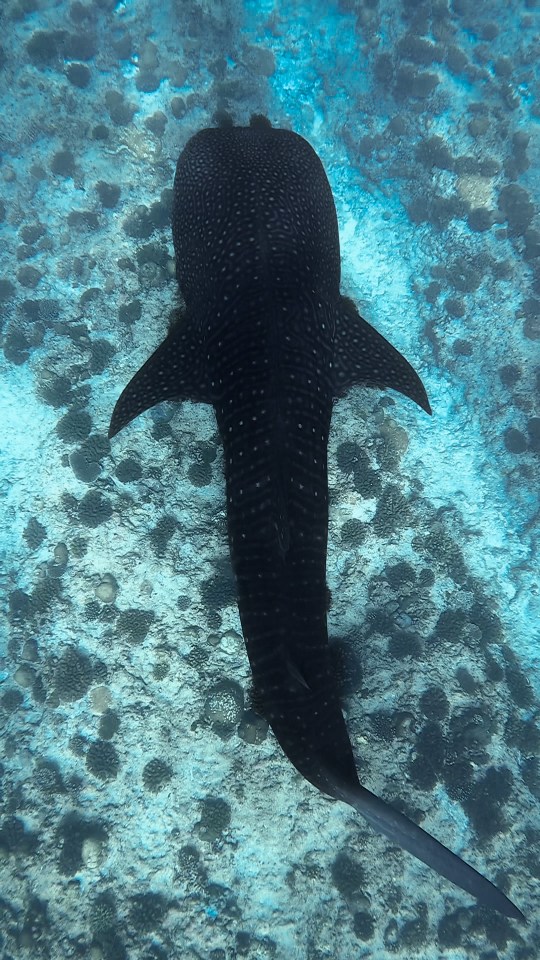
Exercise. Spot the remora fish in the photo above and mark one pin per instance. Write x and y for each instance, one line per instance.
(270, 342)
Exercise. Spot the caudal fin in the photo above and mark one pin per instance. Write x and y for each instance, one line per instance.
(397, 827)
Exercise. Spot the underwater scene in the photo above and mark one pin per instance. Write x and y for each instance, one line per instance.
(173, 755)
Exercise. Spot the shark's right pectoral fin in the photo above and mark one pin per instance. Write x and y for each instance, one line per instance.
(175, 371)
(363, 357)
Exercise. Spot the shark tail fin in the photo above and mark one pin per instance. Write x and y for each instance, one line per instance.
(363, 357)
(397, 827)
(173, 372)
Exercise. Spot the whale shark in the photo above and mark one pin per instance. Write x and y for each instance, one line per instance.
(267, 338)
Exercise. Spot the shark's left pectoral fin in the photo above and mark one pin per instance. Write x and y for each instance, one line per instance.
(363, 357)
(175, 371)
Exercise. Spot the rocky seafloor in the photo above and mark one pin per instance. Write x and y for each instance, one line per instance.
(146, 812)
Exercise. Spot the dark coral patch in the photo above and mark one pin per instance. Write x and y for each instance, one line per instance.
(94, 509)
(486, 800)
(73, 674)
(102, 760)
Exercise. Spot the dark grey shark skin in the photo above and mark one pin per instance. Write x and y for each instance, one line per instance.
(269, 341)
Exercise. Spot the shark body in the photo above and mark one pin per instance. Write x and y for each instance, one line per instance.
(268, 340)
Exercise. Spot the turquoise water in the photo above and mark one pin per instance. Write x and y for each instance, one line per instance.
(145, 814)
